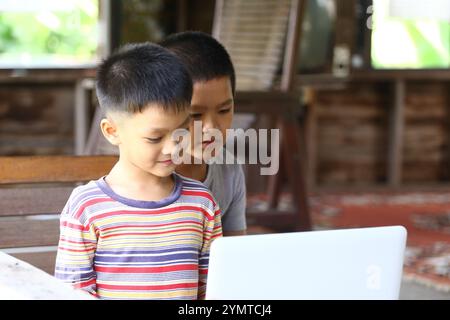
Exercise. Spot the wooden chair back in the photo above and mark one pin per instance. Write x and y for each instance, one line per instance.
(33, 192)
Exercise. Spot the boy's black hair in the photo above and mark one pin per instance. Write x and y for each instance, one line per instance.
(137, 75)
(205, 57)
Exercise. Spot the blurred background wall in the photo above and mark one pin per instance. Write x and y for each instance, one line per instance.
(354, 86)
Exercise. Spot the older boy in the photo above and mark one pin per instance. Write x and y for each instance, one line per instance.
(212, 103)
(142, 231)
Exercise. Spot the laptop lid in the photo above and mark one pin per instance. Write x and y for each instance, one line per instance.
(362, 263)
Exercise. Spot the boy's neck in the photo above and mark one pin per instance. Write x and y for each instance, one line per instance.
(193, 171)
(133, 183)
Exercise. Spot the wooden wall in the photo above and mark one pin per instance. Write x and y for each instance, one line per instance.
(352, 134)
(426, 138)
(36, 119)
(352, 121)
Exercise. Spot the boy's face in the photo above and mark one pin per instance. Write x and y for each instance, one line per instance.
(145, 138)
(212, 103)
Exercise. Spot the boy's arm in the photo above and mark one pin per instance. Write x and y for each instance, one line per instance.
(233, 220)
(212, 230)
(76, 248)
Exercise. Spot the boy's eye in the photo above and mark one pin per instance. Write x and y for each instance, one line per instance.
(223, 111)
(154, 140)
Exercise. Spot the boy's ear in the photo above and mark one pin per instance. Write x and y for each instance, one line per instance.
(110, 131)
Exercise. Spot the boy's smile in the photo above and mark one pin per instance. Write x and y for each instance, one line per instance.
(168, 162)
(207, 142)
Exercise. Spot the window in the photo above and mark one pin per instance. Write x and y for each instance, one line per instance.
(316, 46)
(48, 33)
(411, 34)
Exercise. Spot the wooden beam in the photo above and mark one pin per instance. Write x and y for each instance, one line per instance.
(28, 231)
(32, 201)
(40, 169)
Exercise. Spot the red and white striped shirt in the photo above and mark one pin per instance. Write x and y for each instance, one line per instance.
(119, 248)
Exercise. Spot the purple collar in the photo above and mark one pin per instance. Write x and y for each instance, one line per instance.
(175, 194)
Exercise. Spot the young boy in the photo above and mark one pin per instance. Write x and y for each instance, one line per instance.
(212, 103)
(142, 231)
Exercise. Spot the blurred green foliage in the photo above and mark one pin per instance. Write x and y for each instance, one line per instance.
(413, 43)
(431, 52)
(59, 35)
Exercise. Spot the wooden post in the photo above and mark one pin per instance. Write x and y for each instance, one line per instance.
(293, 39)
(274, 182)
(288, 124)
(287, 121)
(294, 168)
(81, 114)
(181, 15)
(106, 37)
(396, 134)
(218, 12)
(311, 138)
(80, 118)
(445, 164)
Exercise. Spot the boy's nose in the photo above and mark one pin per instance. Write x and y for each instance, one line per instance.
(210, 123)
(169, 147)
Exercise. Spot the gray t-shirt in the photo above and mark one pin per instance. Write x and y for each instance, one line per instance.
(227, 184)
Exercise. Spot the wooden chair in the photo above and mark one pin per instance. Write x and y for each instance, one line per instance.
(257, 34)
(33, 192)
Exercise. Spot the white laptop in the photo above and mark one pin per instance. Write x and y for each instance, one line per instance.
(363, 263)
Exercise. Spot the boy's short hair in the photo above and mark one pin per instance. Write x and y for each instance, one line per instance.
(137, 75)
(205, 57)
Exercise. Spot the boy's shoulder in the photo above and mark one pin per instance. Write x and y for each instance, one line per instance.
(196, 191)
(230, 167)
(84, 194)
(226, 174)
(86, 189)
(189, 183)
(230, 170)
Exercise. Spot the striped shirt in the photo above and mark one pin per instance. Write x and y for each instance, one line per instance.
(119, 248)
